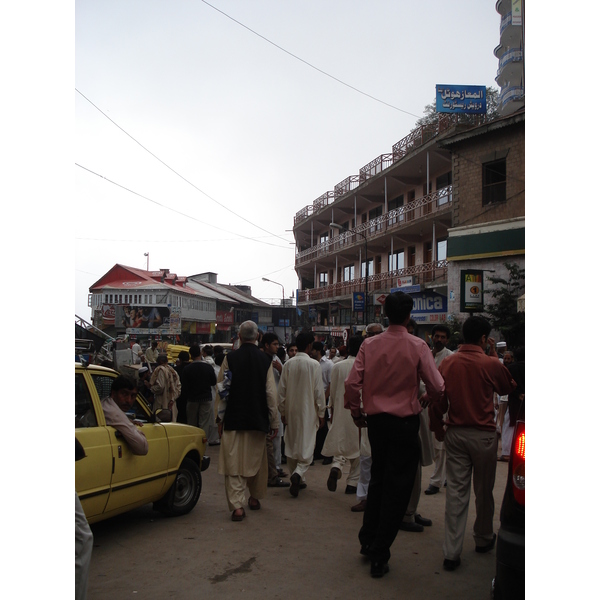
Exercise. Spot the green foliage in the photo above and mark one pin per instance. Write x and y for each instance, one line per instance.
(502, 309)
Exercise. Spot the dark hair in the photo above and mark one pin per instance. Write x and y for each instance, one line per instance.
(303, 340)
(195, 351)
(218, 350)
(268, 338)
(343, 351)
(219, 358)
(397, 307)
(474, 327)
(123, 382)
(292, 345)
(318, 346)
(184, 356)
(208, 350)
(441, 329)
(519, 354)
(354, 344)
(162, 359)
(281, 353)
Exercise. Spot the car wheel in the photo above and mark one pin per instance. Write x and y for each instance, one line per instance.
(185, 491)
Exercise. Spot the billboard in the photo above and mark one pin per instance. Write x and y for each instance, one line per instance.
(471, 290)
(465, 99)
(152, 320)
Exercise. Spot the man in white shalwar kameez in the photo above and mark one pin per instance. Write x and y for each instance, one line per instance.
(302, 408)
(342, 441)
(250, 415)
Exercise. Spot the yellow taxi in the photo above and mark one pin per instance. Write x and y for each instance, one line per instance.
(110, 479)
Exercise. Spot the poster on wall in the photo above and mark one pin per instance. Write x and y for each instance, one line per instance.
(471, 291)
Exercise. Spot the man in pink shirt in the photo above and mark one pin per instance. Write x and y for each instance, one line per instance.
(387, 370)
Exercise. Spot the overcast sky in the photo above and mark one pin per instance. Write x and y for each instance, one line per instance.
(257, 133)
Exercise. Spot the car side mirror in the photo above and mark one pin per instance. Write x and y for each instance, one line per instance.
(163, 415)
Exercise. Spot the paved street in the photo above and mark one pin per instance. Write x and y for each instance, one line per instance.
(292, 548)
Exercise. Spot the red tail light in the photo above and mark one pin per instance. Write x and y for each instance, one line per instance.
(518, 463)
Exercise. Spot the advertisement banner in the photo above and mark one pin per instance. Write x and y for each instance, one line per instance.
(465, 99)
(471, 290)
(358, 301)
(224, 317)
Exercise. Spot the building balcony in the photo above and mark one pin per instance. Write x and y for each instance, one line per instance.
(433, 204)
(427, 275)
(414, 140)
(510, 65)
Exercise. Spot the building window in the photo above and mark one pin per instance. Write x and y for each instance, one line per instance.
(322, 279)
(370, 266)
(442, 246)
(444, 181)
(396, 261)
(494, 182)
(349, 273)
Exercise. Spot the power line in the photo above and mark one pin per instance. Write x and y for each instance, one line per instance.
(309, 64)
(177, 211)
(174, 171)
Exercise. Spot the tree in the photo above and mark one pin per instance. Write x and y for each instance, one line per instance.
(455, 326)
(502, 310)
(492, 112)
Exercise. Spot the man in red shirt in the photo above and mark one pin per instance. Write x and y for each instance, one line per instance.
(471, 377)
(387, 370)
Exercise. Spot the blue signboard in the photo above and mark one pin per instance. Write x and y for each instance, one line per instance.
(358, 301)
(466, 99)
(429, 303)
(407, 289)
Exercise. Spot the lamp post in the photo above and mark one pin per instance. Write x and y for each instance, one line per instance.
(283, 305)
(342, 230)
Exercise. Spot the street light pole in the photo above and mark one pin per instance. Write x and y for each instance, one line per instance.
(283, 305)
(343, 230)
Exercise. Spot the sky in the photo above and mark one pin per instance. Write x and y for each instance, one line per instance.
(199, 135)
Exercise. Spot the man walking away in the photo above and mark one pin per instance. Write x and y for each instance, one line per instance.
(302, 408)
(387, 370)
(250, 415)
(471, 377)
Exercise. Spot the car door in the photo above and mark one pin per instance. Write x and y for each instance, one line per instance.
(93, 472)
(136, 479)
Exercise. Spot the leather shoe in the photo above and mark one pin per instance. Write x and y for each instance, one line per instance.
(332, 480)
(360, 507)
(414, 527)
(350, 489)
(423, 521)
(254, 505)
(487, 547)
(432, 489)
(364, 549)
(278, 482)
(379, 568)
(295, 484)
(327, 460)
(451, 565)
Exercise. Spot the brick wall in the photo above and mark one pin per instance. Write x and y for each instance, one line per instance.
(467, 172)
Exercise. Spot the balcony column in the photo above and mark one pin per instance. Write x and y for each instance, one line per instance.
(427, 182)
(385, 204)
(433, 245)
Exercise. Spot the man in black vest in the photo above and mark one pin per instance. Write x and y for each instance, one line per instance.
(250, 416)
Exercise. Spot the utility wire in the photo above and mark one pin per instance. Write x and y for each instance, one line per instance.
(309, 64)
(177, 211)
(174, 171)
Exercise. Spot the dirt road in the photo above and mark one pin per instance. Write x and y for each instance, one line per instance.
(293, 548)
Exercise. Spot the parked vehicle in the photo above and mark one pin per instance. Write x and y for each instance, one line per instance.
(110, 479)
(509, 583)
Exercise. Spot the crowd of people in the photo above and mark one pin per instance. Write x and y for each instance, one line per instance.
(381, 407)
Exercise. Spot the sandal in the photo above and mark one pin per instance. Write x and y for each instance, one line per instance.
(235, 517)
(253, 505)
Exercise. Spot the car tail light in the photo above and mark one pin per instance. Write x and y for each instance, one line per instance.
(518, 463)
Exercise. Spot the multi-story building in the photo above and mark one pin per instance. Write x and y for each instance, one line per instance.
(511, 55)
(382, 229)
(157, 304)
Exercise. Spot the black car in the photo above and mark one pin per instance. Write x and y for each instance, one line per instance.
(509, 582)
